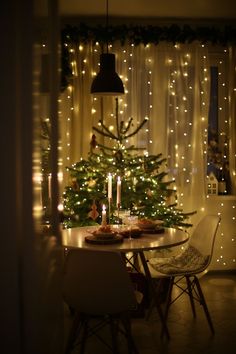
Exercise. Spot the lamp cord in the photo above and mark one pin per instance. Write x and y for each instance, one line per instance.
(107, 21)
(107, 14)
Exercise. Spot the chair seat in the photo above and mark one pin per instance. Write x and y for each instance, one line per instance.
(190, 260)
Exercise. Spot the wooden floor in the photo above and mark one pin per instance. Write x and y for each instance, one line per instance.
(188, 335)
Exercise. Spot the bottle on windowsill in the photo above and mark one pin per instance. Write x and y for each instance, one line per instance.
(222, 190)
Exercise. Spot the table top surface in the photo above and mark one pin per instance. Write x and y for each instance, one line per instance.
(76, 238)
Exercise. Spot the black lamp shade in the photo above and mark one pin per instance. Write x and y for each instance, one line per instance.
(107, 81)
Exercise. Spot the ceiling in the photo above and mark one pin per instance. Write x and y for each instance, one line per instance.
(180, 9)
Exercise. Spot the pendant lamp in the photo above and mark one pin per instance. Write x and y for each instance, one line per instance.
(107, 81)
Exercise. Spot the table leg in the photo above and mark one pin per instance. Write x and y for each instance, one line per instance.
(154, 294)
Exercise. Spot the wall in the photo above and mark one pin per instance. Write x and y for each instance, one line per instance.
(151, 8)
(224, 257)
(31, 315)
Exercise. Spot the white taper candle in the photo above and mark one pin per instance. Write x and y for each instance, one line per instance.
(109, 186)
(104, 215)
(118, 196)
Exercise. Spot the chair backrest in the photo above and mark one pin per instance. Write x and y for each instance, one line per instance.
(97, 282)
(203, 236)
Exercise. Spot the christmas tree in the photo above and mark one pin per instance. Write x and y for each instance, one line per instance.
(145, 188)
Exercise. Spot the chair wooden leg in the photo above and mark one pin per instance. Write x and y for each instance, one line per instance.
(72, 333)
(168, 297)
(84, 335)
(152, 302)
(154, 294)
(113, 336)
(203, 303)
(128, 333)
(190, 294)
(168, 301)
(150, 309)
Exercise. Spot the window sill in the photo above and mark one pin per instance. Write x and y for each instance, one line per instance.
(225, 197)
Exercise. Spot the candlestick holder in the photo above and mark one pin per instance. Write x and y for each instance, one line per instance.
(118, 212)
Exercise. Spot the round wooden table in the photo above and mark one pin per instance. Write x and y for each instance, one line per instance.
(75, 238)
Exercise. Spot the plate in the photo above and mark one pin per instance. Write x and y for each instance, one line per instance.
(106, 241)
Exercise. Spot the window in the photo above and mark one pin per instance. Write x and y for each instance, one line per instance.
(218, 124)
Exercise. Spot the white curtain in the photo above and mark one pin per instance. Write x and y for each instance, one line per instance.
(168, 85)
(232, 116)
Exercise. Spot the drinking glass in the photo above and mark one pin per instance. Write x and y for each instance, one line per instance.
(130, 220)
(123, 214)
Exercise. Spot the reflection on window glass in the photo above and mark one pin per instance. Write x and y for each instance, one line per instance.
(218, 155)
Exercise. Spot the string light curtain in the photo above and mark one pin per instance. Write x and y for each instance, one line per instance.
(169, 86)
(230, 123)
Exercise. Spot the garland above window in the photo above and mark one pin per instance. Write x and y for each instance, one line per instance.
(84, 33)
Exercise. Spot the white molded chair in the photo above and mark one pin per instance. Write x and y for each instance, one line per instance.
(98, 289)
(188, 265)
